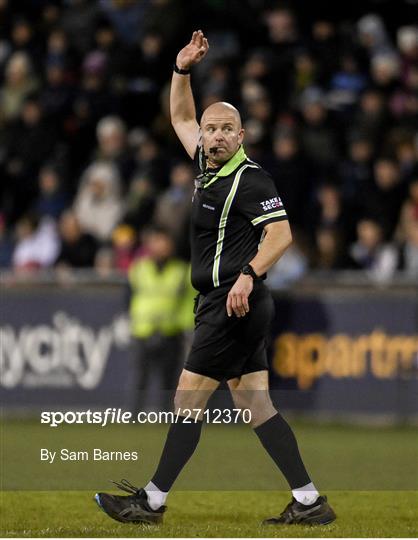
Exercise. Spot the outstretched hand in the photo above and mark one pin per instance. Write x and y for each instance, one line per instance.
(193, 52)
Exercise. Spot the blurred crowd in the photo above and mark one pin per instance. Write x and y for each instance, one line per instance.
(89, 161)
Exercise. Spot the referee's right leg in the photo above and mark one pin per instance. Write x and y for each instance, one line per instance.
(192, 395)
(146, 505)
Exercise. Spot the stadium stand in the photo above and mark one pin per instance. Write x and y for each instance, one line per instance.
(330, 106)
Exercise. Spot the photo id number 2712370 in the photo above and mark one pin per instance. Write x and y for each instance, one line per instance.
(215, 416)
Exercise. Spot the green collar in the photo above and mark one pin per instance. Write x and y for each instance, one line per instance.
(230, 166)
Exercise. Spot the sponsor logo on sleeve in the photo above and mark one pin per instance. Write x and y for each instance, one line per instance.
(270, 204)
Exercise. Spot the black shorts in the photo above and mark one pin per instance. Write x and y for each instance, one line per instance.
(227, 347)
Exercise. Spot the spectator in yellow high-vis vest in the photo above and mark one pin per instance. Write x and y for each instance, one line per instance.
(161, 311)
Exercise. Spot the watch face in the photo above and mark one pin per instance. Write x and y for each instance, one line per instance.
(248, 271)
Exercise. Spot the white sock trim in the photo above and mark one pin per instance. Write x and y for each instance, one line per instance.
(156, 497)
(306, 494)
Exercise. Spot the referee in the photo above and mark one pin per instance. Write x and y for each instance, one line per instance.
(239, 230)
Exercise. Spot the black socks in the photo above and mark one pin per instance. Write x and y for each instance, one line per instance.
(278, 439)
(275, 435)
(181, 442)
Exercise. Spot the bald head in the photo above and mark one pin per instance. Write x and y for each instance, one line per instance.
(221, 110)
(222, 133)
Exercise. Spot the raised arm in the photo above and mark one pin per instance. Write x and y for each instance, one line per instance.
(182, 107)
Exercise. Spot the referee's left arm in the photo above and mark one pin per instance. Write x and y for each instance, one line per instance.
(277, 239)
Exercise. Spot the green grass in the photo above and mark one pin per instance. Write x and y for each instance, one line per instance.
(208, 514)
(228, 458)
(229, 486)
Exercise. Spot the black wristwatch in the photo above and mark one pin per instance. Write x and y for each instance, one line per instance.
(180, 71)
(248, 270)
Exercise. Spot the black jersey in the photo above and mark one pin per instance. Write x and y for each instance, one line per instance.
(230, 208)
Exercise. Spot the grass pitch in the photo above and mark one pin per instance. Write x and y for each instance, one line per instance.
(369, 475)
(208, 514)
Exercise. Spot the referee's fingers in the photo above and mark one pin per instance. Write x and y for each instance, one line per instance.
(234, 304)
(239, 308)
(237, 304)
(241, 304)
(228, 305)
(245, 303)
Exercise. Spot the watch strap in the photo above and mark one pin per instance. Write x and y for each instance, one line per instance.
(248, 270)
(180, 71)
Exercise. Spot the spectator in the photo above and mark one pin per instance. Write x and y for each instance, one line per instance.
(160, 310)
(260, 112)
(173, 207)
(305, 72)
(161, 127)
(373, 36)
(37, 243)
(112, 146)
(382, 199)
(325, 48)
(78, 249)
(258, 67)
(59, 52)
(330, 252)
(284, 41)
(98, 204)
(290, 172)
(6, 245)
(52, 199)
(371, 118)
(406, 157)
(31, 143)
(254, 97)
(407, 40)
(18, 85)
(371, 253)
(217, 84)
(23, 40)
(119, 58)
(328, 212)
(151, 65)
(104, 262)
(408, 254)
(404, 101)
(79, 19)
(347, 83)
(291, 267)
(150, 162)
(127, 18)
(319, 139)
(385, 71)
(50, 16)
(124, 241)
(140, 202)
(356, 171)
(6, 17)
(409, 211)
(94, 100)
(57, 95)
(166, 17)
